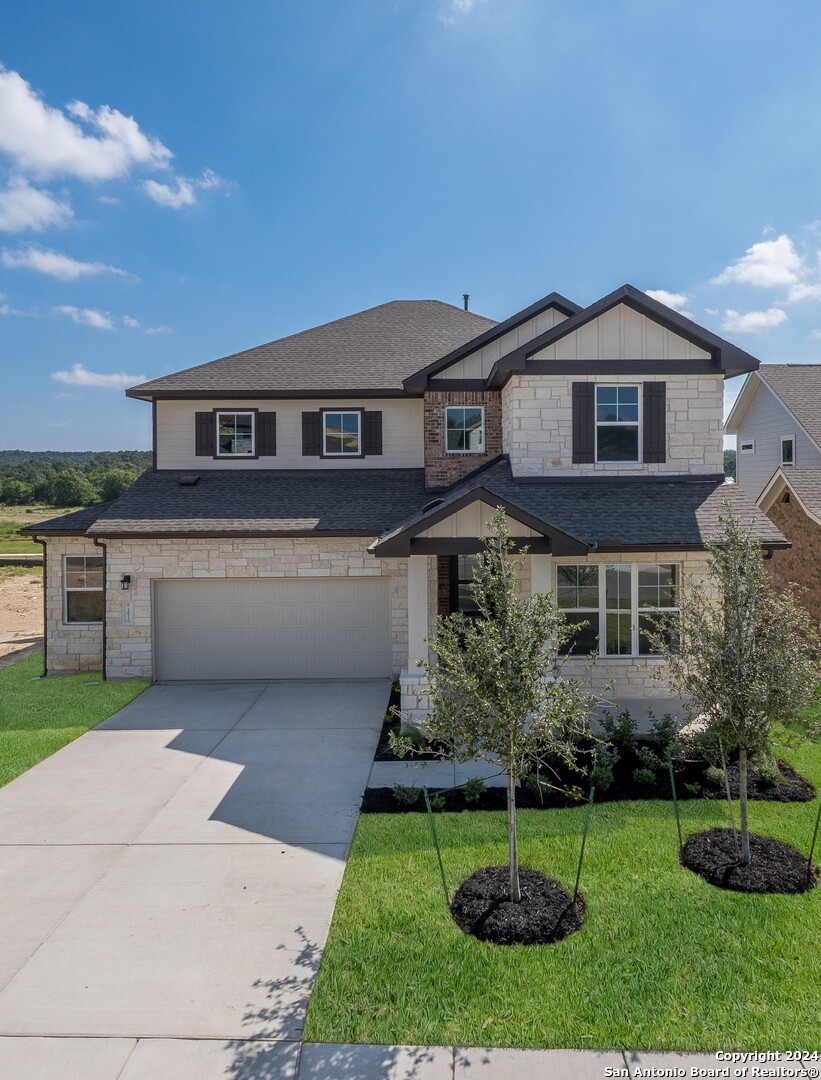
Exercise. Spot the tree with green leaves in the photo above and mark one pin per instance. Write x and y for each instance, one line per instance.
(743, 654)
(496, 689)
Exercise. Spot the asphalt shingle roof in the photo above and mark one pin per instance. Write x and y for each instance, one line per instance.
(619, 511)
(806, 483)
(372, 350)
(799, 387)
(74, 524)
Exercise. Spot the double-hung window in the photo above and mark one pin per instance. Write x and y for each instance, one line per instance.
(342, 434)
(615, 608)
(235, 434)
(464, 429)
(462, 569)
(617, 423)
(788, 451)
(82, 589)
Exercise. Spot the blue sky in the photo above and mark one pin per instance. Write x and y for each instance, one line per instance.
(181, 181)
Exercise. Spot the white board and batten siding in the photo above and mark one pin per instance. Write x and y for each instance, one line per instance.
(477, 365)
(402, 434)
(272, 628)
(767, 422)
(622, 334)
(471, 521)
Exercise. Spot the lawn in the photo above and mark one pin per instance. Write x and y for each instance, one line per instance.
(664, 961)
(13, 518)
(38, 716)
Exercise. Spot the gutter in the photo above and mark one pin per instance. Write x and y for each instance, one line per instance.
(38, 540)
(100, 544)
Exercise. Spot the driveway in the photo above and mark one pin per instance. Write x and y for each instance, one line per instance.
(171, 877)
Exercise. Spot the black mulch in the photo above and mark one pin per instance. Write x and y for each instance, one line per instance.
(775, 867)
(545, 914)
(792, 787)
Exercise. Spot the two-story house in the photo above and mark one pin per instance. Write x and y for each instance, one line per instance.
(777, 423)
(316, 501)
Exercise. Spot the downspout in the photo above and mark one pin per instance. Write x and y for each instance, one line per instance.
(37, 540)
(100, 544)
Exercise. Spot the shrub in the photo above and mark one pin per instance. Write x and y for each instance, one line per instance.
(714, 775)
(694, 789)
(473, 790)
(644, 776)
(437, 801)
(406, 796)
(536, 784)
(620, 730)
(605, 760)
(664, 734)
(767, 770)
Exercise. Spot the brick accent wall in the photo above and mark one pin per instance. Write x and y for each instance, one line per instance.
(442, 468)
(801, 563)
(443, 584)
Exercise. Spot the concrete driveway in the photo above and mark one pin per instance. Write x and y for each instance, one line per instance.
(170, 877)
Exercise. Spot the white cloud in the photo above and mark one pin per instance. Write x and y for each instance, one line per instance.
(81, 376)
(185, 190)
(752, 322)
(805, 290)
(457, 9)
(159, 330)
(135, 324)
(25, 207)
(109, 200)
(55, 264)
(83, 142)
(766, 264)
(86, 316)
(815, 335)
(676, 300)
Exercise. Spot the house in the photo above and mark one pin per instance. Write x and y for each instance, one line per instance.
(316, 501)
(777, 423)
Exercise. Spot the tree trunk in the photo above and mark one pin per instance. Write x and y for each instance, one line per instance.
(513, 853)
(742, 794)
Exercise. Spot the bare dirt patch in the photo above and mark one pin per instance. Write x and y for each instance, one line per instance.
(21, 610)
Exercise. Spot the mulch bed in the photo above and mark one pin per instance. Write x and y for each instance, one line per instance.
(792, 787)
(546, 913)
(775, 867)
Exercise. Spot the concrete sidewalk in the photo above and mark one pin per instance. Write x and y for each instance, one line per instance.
(187, 1059)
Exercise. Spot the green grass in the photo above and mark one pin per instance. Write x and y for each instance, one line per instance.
(13, 518)
(39, 716)
(664, 960)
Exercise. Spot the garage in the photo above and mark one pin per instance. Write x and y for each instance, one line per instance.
(272, 628)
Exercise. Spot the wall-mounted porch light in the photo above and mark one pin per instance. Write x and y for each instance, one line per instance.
(125, 581)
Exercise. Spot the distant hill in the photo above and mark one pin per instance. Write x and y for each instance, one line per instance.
(68, 478)
(107, 459)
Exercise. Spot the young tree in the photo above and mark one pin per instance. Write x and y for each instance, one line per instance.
(743, 654)
(496, 691)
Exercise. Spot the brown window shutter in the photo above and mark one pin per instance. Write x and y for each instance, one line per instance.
(311, 434)
(655, 422)
(266, 434)
(205, 444)
(584, 423)
(371, 433)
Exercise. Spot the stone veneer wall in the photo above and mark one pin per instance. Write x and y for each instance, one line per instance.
(443, 468)
(800, 564)
(537, 425)
(129, 647)
(71, 646)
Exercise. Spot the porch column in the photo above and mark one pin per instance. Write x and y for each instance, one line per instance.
(417, 611)
(541, 574)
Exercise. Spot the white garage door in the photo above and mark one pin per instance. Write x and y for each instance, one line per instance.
(272, 628)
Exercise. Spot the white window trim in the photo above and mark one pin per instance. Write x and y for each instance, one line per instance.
(67, 590)
(619, 423)
(748, 449)
(481, 409)
(236, 412)
(342, 453)
(634, 653)
(787, 439)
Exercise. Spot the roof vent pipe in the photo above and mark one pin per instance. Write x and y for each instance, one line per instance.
(466, 298)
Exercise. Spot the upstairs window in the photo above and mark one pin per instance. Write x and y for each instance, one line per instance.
(788, 451)
(464, 429)
(617, 423)
(235, 434)
(747, 446)
(342, 434)
(83, 589)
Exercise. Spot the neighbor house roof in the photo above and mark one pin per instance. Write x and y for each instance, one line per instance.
(598, 513)
(805, 483)
(372, 351)
(256, 502)
(799, 387)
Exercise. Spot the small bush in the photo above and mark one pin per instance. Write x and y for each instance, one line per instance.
(404, 795)
(605, 760)
(650, 760)
(536, 784)
(620, 730)
(437, 801)
(664, 735)
(694, 789)
(644, 776)
(473, 790)
(714, 775)
(767, 770)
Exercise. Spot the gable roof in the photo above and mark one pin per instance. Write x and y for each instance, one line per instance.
(726, 357)
(804, 481)
(370, 352)
(597, 513)
(797, 387)
(552, 300)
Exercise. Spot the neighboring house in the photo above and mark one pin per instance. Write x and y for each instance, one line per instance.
(316, 501)
(777, 423)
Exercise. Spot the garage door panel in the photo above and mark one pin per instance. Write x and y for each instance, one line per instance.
(272, 628)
